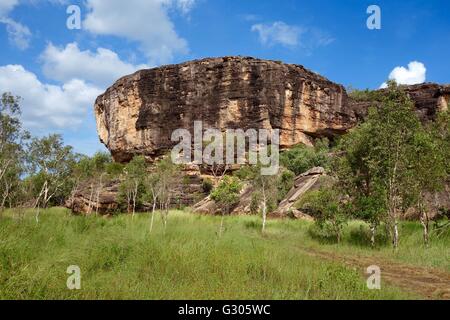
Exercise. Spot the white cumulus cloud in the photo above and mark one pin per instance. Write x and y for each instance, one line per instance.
(415, 73)
(102, 67)
(45, 106)
(146, 22)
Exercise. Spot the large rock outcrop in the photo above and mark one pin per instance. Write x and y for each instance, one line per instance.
(138, 114)
(429, 99)
(312, 179)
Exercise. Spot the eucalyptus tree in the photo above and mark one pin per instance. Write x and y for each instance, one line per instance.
(390, 161)
(12, 140)
(132, 185)
(226, 195)
(50, 164)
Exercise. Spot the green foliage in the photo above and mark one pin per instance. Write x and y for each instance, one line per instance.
(364, 95)
(120, 259)
(114, 169)
(132, 187)
(12, 152)
(285, 183)
(207, 186)
(302, 158)
(325, 205)
(390, 160)
(226, 195)
(51, 164)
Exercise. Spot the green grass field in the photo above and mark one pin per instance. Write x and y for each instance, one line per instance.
(120, 259)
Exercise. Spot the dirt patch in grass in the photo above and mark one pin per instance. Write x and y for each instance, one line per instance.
(426, 282)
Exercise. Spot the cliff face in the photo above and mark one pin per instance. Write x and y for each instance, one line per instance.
(138, 114)
(429, 99)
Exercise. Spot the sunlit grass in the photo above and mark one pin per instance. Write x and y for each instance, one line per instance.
(120, 259)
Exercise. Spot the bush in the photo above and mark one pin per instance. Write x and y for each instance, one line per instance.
(302, 158)
(207, 186)
(326, 207)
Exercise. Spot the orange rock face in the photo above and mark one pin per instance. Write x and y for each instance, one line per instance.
(138, 114)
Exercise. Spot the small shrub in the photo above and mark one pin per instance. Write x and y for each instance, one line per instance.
(207, 186)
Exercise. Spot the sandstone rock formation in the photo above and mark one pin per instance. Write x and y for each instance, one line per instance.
(138, 114)
(308, 181)
(311, 180)
(429, 99)
(84, 200)
(188, 191)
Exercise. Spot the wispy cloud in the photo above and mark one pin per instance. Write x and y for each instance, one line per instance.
(280, 33)
(277, 33)
(18, 34)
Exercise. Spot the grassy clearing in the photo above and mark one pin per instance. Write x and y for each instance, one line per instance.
(356, 241)
(119, 259)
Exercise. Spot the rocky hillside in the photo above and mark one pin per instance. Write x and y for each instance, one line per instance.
(137, 115)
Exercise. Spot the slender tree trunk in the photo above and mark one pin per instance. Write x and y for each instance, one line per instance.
(37, 214)
(264, 216)
(166, 214)
(100, 186)
(264, 208)
(222, 221)
(373, 229)
(221, 225)
(153, 215)
(134, 206)
(425, 223)
(90, 199)
(338, 233)
(396, 235)
(38, 200)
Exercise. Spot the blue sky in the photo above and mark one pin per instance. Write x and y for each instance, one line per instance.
(59, 71)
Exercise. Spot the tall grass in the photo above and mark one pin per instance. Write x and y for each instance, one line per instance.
(120, 259)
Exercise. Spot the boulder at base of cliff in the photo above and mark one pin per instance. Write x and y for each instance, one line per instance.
(209, 206)
(89, 199)
(312, 179)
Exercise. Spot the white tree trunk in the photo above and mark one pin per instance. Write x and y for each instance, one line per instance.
(153, 215)
(425, 224)
(373, 229)
(396, 236)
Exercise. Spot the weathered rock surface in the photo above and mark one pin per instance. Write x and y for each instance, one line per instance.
(429, 99)
(308, 181)
(138, 114)
(84, 200)
(187, 192)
